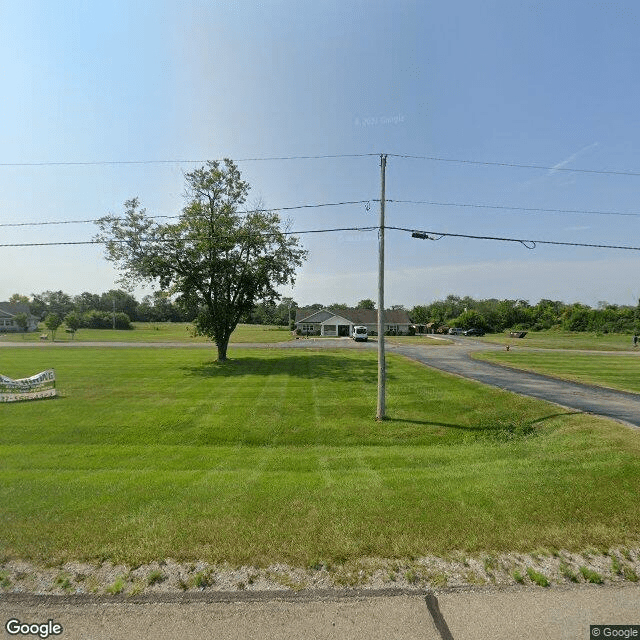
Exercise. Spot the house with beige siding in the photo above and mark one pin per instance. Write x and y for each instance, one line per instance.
(340, 322)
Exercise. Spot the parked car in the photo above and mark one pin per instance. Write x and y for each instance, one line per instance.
(456, 331)
(474, 332)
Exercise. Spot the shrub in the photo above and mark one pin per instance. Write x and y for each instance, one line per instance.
(590, 575)
(117, 587)
(104, 320)
(537, 577)
(156, 577)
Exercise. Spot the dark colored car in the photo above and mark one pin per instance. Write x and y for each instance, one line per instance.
(474, 332)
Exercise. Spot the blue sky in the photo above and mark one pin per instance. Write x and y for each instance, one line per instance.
(553, 84)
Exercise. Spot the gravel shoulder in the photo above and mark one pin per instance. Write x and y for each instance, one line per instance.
(458, 570)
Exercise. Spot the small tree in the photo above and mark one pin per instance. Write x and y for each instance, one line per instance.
(367, 303)
(52, 322)
(73, 322)
(22, 320)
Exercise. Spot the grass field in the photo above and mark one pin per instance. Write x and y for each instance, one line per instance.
(614, 371)
(554, 339)
(156, 332)
(275, 456)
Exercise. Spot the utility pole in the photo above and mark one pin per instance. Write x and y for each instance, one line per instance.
(381, 411)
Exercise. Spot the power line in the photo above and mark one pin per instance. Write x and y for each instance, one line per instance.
(509, 208)
(367, 205)
(319, 157)
(180, 161)
(284, 233)
(530, 244)
(516, 165)
(301, 206)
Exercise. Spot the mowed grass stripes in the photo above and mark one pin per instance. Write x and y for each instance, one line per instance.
(276, 456)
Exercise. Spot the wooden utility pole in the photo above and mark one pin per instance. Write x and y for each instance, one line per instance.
(381, 411)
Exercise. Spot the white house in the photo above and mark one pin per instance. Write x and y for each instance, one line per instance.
(341, 321)
(8, 313)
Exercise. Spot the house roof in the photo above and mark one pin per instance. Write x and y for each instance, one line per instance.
(8, 309)
(312, 315)
(356, 316)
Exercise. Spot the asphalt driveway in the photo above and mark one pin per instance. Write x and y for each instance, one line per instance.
(456, 359)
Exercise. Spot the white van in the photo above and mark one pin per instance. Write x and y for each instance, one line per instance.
(360, 333)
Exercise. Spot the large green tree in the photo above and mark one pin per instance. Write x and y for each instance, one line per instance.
(219, 260)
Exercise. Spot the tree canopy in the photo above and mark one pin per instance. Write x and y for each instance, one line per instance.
(220, 261)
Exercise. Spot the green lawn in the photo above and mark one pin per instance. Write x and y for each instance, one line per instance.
(275, 456)
(554, 339)
(614, 371)
(156, 332)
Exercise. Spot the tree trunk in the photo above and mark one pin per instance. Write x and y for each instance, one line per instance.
(222, 350)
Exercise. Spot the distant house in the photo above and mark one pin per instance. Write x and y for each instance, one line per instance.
(8, 313)
(341, 321)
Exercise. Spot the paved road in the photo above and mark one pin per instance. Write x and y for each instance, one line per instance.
(500, 614)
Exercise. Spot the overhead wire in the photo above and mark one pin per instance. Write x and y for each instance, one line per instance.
(473, 205)
(180, 161)
(273, 209)
(524, 241)
(512, 208)
(160, 239)
(488, 163)
(516, 165)
(527, 242)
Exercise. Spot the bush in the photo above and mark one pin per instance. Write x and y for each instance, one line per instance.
(104, 320)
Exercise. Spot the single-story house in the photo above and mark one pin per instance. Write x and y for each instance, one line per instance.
(340, 322)
(8, 313)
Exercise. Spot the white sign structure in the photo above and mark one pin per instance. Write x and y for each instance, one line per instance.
(42, 385)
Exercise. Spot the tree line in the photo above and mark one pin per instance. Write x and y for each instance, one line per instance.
(91, 310)
(97, 311)
(493, 315)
